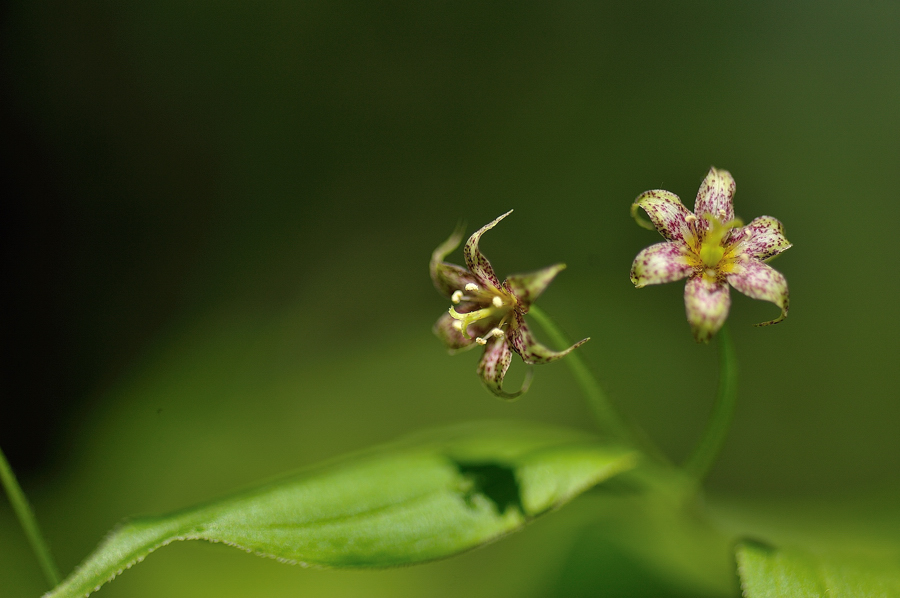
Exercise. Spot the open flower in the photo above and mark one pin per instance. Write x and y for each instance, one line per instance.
(711, 249)
(489, 313)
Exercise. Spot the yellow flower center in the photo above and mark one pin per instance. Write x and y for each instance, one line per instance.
(713, 248)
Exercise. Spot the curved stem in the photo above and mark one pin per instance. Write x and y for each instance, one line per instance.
(703, 457)
(606, 415)
(28, 521)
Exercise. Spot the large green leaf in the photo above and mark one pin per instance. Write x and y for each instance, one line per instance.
(767, 572)
(423, 498)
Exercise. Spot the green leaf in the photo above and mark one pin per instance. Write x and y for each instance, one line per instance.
(766, 572)
(420, 499)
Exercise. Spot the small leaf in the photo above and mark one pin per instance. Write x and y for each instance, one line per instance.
(766, 571)
(424, 498)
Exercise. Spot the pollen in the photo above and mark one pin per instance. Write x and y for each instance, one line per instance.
(457, 325)
(480, 341)
(471, 287)
(456, 297)
(497, 301)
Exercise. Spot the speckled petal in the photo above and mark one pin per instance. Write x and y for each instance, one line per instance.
(716, 196)
(453, 338)
(706, 303)
(761, 281)
(475, 260)
(667, 214)
(660, 263)
(448, 278)
(762, 239)
(531, 351)
(493, 365)
(528, 287)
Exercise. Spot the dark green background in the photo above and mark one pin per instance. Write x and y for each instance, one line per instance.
(221, 215)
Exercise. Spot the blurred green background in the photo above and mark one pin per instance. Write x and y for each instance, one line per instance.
(219, 218)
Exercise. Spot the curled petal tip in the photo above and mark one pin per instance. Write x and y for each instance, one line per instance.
(512, 396)
(784, 313)
(494, 222)
(641, 221)
(450, 244)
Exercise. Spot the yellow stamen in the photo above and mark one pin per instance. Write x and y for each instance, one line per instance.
(495, 332)
(471, 287)
(497, 301)
(456, 297)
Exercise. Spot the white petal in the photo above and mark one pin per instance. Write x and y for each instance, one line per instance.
(706, 303)
(716, 196)
(762, 239)
(661, 263)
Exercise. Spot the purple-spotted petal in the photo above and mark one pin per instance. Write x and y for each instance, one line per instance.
(706, 303)
(760, 281)
(531, 351)
(493, 365)
(527, 287)
(716, 196)
(448, 278)
(762, 239)
(447, 329)
(667, 214)
(475, 260)
(660, 263)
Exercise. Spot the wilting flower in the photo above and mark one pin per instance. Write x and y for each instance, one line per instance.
(490, 313)
(710, 248)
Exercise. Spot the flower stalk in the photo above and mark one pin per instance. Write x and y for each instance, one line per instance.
(28, 521)
(608, 418)
(604, 412)
(704, 455)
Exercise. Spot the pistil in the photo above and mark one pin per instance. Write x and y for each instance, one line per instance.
(712, 248)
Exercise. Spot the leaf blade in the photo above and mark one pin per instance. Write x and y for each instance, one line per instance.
(767, 571)
(417, 500)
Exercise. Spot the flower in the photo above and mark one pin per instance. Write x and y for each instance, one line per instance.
(489, 313)
(710, 248)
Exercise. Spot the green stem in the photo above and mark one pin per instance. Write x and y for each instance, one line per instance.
(28, 521)
(606, 415)
(703, 457)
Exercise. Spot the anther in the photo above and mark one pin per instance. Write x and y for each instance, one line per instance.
(495, 332)
(690, 218)
(456, 297)
(480, 341)
(471, 287)
(457, 325)
(497, 301)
